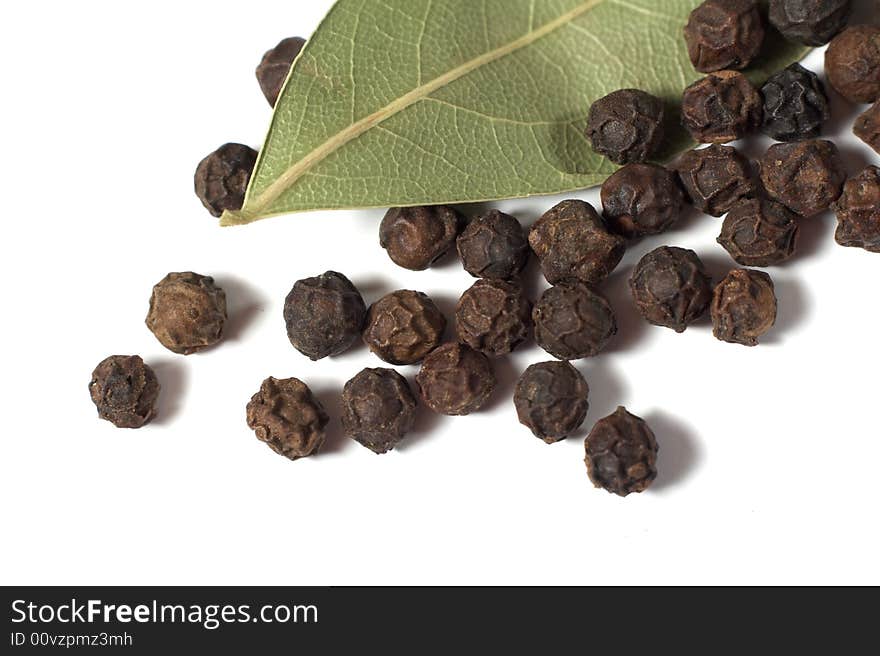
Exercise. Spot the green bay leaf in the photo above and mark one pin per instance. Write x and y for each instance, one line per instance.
(411, 102)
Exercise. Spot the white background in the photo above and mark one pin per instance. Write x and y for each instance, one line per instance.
(768, 456)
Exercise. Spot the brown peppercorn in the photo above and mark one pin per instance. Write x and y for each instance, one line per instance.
(852, 63)
(124, 390)
(806, 177)
(275, 65)
(724, 34)
(456, 380)
(286, 415)
(858, 211)
(493, 316)
(493, 246)
(403, 327)
(378, 409)
(811, 22)
(572, 243)
(324, 315)
(416, 237)
(743, 307)
(759, 233)
(551, 400)
(641, 200)
(722, 107)
(621, 454)
(187, 312)
(572, 321)
(867, 127)
(716, 178)
(670, 287)
(626, 125)
(222, 178)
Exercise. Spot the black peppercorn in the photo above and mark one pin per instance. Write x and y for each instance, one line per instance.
(493, 246)
(811, 22)
(852, 63)
(858, 211)
(641, 200)
(743, 307)
(493, 316)
(222, 178)
(626, 125)
(621, 454)
(456, 380)
(416, 237)
(324, 315)
(716, 178)
(125, 391)
(187, 312)
(806, 177)
(724, 34)
(286, 415)
(795, 105)
(572, 321)
(275, 65)
(759, 233)
(551, 400)
(867, 127)
(403, 327)
(378, 409)
(722, 107)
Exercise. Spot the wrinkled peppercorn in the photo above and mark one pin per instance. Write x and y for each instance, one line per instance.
(852, 63)
(572, 321)
(626, 126)
(456, 380)
(572, 243)
(641, 200)
(222, 178)
(724, 34)
(867, 127)
(811, 22)
(858, 211)
(716, 178)
(416, 237)
(795, 105)
(743, 307)
(722, 107)
(275, 65)
(187, 312)
(551, 400)
(403, 327)
(670, 287)
(286, 415)
(378, 409)
(759, 233)
(124, 390)
(493, 316)
(493, 246)
(806, 177)
(621, 453)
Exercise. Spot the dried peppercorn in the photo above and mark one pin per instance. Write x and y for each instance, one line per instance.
(572, 243)
(641, 200)
(572, 321)
(275, 65)
(724, 34)
(716, 178)
(621, 453)
(722, 107)
(403, 327)
(852, 63)
(551, 400)
(811, 22)
(493, 246)
(222, 178)
(806, 177)
(867, 127)
(125, 391)
(456, 380)
(858, 211)
(795, 105)
(493, 316)
(416, 237)
(286, 415)
(378, 409)
(670, 287)
(187, 312)
(743, 307)
(324, 315)
(626, 125)
(759, 233)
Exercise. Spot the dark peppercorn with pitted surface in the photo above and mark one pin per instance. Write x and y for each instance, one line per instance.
(626, 126)
(456, 380)
(722, 107)
(572, 321)
(641, 200)
(275, 66)
(494, 245)
(852, 63)
(716, 178)
(187, 312)
(621, 453)
(378, 409)
(416, 237)
(743, 307)
(286, 416)
(724, 34)
(759, 233)
(222, 178)
(811, 22)
(858, 211)
(403, 327)
(795, 105)
(551, 400)
(806, 176)
(493, 316)
(867, 127)
(125, 391)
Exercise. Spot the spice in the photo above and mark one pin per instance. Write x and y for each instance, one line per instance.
(572, 321)
(286, 415)
(125, 391)
(551, 400)
(187, 312)
(759, 233)
(456, 380)
(273, 69)
(403, 327)
(378, 409)
(416, 237)
(722, 107)
(573, 244)
(795, 105)
(716, 178)
(493, 316)
(858, 211)
(743, 307)
(621, 453)
(222, 178)
(806, 177)
(670, 287)
(724, 34)
(626, 125)
(867, 127)
(494, 246)
(324, 315)
(641, 200)
(811, 22)
(852, 63)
